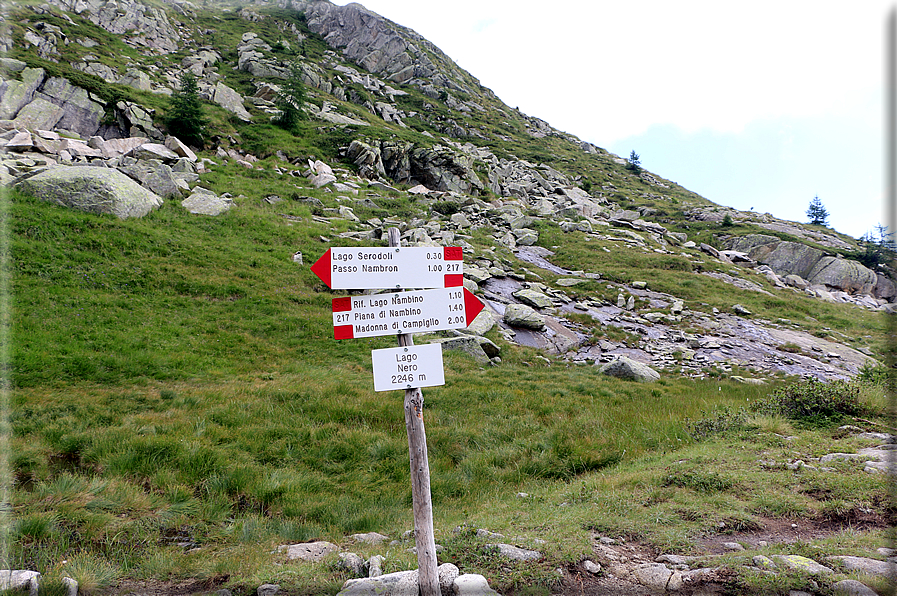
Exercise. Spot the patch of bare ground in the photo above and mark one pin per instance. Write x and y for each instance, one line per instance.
(169, 588)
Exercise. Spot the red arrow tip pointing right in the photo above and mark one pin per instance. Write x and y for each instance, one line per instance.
(472, 306)
(321, 268)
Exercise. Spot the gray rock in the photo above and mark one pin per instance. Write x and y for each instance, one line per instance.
(15, 95)
(849, 276)
(481, 324)
(514, 553)
(521, 315)
(626, 368)
(351, 563)
(851, 587)
(95, 190)
(799, 563)
(230, 100)
(80, 113)
(369, 538)
(20, 580)
(652, 575)
(740, 310)
(868, 566)
(205, 202)
(375, 565)
(591, 567)
(153, 151)
(448, 573)
(472, 584)
(763, 563)
(401, 583)
(267, 590)
(136, 78)
(468, 344)
(71, 586)
(533, 298)
(308, 551)
(155, 176)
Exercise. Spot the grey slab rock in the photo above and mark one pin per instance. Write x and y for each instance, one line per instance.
(309, 551)
(71, 586)
(521, 315)
(15, 95)
(20, 579)
(401, 583)
(369, 538)
(205, 202)
(481, 324)
(267, 590)
(472, 584)
(533, 298)
(230, 100)
(155, 176)
(39, 113)
(799, 563)
(153, 151)
(514, 553)
(629, 369)
(852, 587)
(868, 566)
(91, 189)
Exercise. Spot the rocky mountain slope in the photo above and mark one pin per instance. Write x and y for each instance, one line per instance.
(85, 83)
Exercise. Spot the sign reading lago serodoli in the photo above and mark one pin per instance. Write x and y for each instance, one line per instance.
(372, 268)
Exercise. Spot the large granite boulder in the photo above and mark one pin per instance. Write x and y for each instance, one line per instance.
(91, 189)
(850, 276)
(626, 368)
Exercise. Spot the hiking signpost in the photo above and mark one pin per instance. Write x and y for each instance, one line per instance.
(448, 305)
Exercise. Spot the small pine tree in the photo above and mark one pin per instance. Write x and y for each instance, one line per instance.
(634, 164)
(291, 99)
(185, 118)
(817, 213)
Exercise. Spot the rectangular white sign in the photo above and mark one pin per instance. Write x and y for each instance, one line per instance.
(408, 367)
(404, 312)
(387, 268)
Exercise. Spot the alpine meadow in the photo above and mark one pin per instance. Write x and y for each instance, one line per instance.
(661, 393)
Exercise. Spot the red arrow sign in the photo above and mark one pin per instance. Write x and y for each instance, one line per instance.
(404, 312)
(391, 267)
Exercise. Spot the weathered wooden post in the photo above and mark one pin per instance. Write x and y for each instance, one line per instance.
(420, 474)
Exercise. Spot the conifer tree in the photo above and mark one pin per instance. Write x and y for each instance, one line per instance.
(185, 118)
(291, 99)
(817, 213)
(634, 162)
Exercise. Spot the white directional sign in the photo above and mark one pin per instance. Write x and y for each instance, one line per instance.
(368, 268)
(407, 367)
(404, 312)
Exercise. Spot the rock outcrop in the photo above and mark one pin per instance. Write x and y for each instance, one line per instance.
(91, 189)
(811, 264)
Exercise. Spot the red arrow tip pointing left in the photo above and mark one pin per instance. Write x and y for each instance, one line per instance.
(321, 268)
(472, 306)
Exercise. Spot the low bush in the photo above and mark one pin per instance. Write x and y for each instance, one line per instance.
(815, 401)
(719, 421)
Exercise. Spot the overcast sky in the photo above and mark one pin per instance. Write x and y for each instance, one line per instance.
(758, 104)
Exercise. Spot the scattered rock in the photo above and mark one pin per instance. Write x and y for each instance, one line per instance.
(309, 551)
(626, 368)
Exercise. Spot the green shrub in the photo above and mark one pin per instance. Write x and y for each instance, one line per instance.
(815, 401)
(446, 207)
(721, 420)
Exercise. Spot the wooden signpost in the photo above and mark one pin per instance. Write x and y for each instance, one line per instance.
(408, 367)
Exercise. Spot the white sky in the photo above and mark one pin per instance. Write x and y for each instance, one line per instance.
(751, 104)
